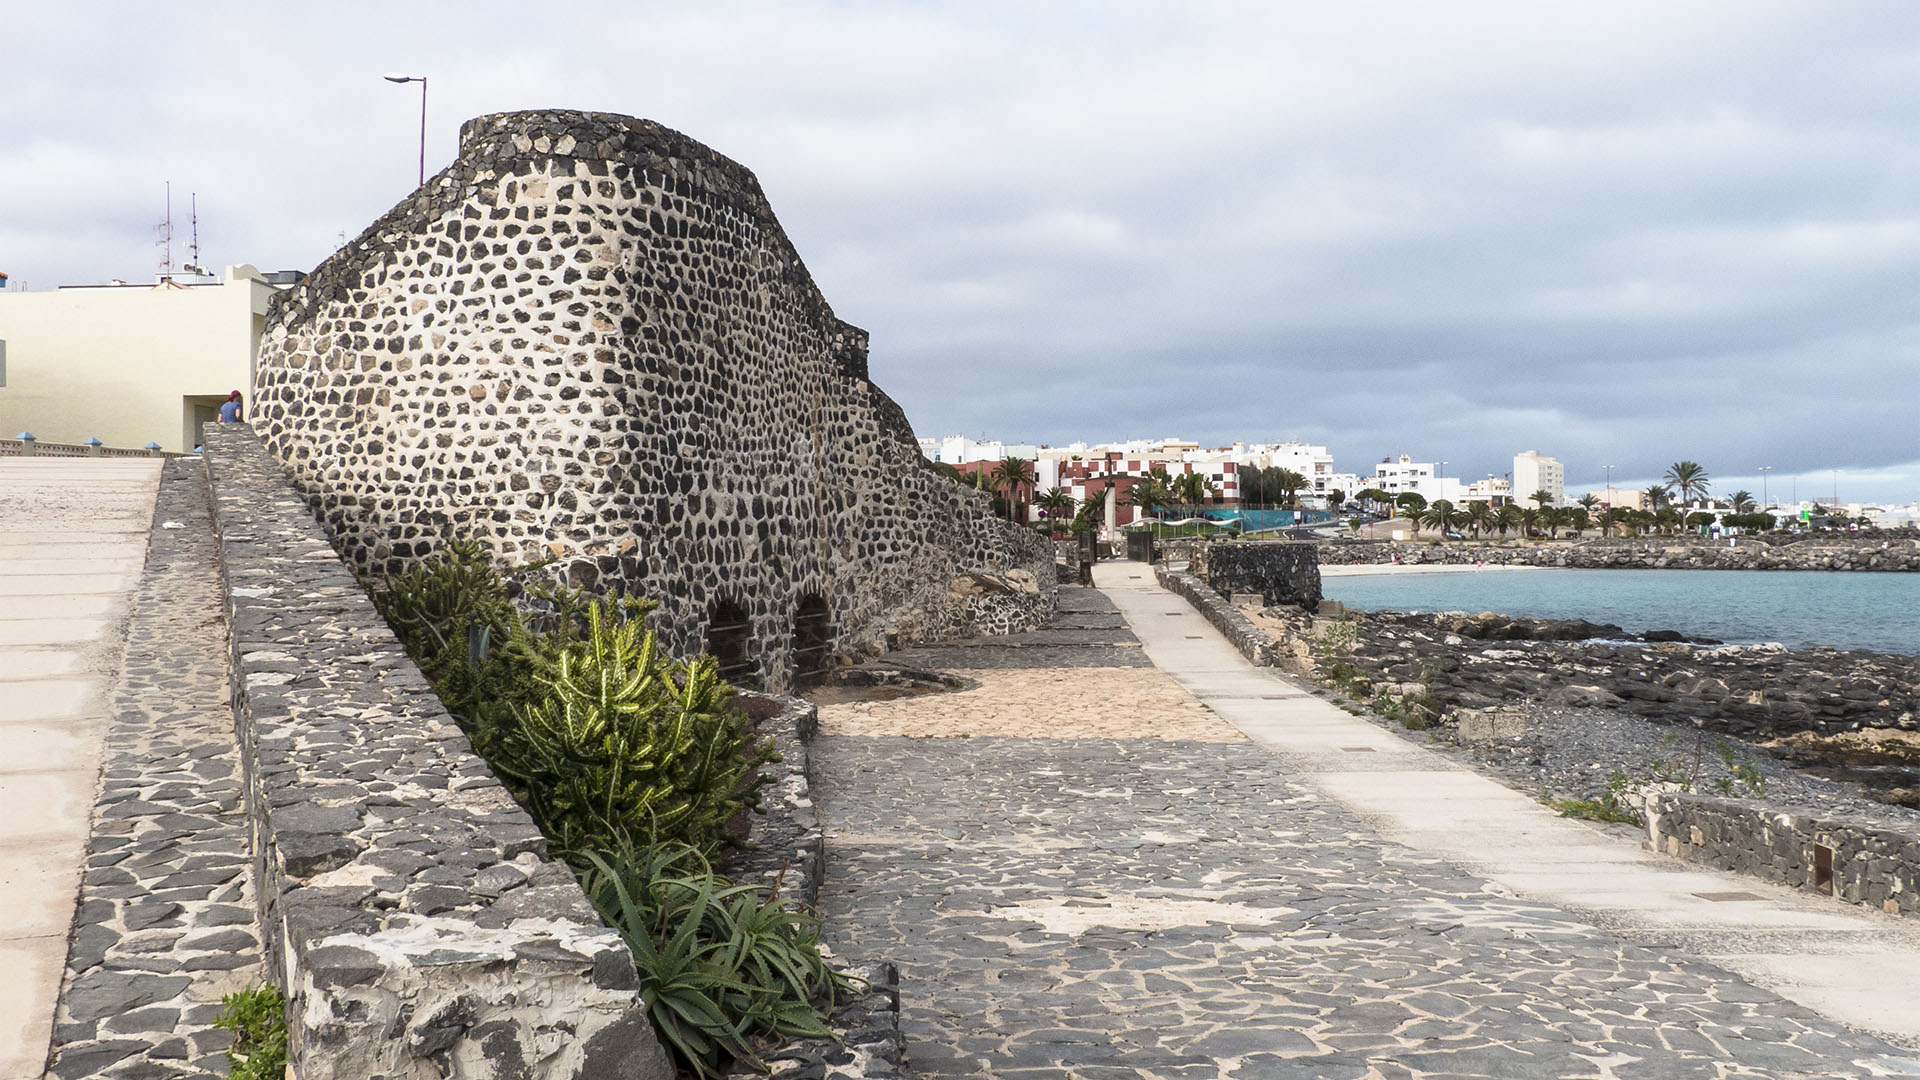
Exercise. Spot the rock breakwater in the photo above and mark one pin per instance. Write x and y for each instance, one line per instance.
(1895, 551)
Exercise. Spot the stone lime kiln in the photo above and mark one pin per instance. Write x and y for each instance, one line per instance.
(589, 341)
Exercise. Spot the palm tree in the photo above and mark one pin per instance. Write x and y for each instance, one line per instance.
(1553, 517)
(1288, 483)
(1148, 494)
(1192, 488)
(1529, 520)
(1581, 518)
(1688, 479)
(1509, 517)
(1093, 509)
(1657, 496)
(1742, 501)
(1542, 498)
(1439, 514)
(1055, 503)
(1012, 476)
(1610, 518)
(1590, 502)
(1480, 516)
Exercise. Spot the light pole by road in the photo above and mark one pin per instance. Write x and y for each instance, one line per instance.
(1609, 469)
(422, 80)
(1764, 469)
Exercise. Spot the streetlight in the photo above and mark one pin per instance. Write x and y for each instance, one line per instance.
(422, 80)
(1764, 469)
(1609, 469)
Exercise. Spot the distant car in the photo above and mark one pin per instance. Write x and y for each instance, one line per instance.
(1451, 535)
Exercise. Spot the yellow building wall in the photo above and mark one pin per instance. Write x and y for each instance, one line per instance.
(127, 364)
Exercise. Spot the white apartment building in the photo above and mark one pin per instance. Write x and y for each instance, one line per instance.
(958, 450)
(1398, 477)
(1536, 472)
(1312, 462)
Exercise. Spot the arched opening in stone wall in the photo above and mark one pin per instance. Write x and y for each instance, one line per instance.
(730, 643)
(812, 639)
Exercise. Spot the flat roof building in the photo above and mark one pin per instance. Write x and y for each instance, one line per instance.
(129, 364)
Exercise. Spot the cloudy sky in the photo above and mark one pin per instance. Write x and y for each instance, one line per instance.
(1618, 233)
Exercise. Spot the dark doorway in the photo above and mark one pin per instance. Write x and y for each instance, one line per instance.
(812, 639)
(730, 642)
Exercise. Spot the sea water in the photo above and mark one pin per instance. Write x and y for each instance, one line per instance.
(1878, 612)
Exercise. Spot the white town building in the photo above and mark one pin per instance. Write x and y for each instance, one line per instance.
(1536, 472)
(130, 364)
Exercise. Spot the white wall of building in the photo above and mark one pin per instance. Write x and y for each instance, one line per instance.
(1533, 472)
(129, 364)
(1397, 476)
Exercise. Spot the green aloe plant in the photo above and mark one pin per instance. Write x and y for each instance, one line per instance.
(720, 965)
(623, 745)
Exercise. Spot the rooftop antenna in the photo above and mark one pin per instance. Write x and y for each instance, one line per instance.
(163, 237)
(193, 246)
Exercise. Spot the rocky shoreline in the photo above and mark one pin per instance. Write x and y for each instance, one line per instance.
(1568, 702)
(1885, 551)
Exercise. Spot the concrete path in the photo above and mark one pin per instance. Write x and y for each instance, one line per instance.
(1854, 965)
(73, 537)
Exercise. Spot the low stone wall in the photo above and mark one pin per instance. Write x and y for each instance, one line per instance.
(1281, 571)
(1880, 553)
(1860, 862)
(787, 842)
(409, 908)
(1252, 642)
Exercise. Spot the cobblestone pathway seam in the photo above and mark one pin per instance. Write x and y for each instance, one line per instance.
(1121, 909)
(165, 924)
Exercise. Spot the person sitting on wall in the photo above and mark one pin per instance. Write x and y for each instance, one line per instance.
(230, 409)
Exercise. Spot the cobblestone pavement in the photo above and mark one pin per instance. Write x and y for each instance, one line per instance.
(73, 536)
(1122, 908)
(166, 921)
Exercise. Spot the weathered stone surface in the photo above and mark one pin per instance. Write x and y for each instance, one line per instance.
(1282, 572)
(1254, 644)
(155, 942)
(351, 769)
(1875, 863)
(614, 358)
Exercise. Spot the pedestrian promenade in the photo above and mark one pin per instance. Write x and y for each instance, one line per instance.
(1858, 966)
(73, 538)
(1177, 902)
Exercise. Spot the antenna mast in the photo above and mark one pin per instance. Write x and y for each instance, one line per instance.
(163, 237)
(193, 246)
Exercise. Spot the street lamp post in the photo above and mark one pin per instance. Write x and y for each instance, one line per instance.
(1609, 469)
(1764, 469)
(422, 80)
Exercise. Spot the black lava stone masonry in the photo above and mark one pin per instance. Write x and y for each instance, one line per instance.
(588, 341)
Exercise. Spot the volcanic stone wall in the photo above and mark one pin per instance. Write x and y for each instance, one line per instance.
(589, 341)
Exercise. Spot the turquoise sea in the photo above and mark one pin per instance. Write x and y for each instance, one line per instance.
(1875, 612)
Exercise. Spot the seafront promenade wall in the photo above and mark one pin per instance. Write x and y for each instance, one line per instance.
(1661, 553)
(407, 904)
(1859, 861)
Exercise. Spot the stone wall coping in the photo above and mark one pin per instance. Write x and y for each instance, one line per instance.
(1253, 643)
(1869, 861)
(409, 909)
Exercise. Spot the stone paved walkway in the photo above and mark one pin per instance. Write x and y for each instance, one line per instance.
(73, 536)
(166, 922)
(1127, 908)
